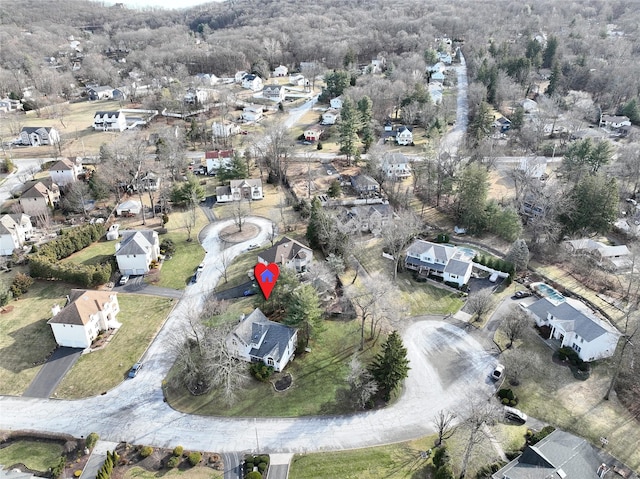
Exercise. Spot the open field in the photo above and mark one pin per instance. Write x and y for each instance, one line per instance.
(38, 456)
(141, 317)
(318, 378)
(26, 339)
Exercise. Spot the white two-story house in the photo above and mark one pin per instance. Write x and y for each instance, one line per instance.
(452, 264)
(246, 189)
(15, 229)
(109, 121)
(64, 172)
(136, 251)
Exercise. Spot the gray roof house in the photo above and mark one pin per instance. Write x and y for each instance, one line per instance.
(256, 339)
(560, 455)
(576, 327)
(364, 184)
(288, 253)
(137, 250)
(452, 264)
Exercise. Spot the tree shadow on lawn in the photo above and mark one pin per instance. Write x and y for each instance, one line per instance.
(33, 353)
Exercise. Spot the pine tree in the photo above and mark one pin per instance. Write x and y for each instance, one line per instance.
(348, 127)
(304, 312)
(518, 254)
(391, 366)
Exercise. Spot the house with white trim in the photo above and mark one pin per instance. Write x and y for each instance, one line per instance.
(395, 165)
(136, 250)
(613, 121)
(330, 117)
(336, 102)
(64, 172)
(109, 121)
(257, 339)
(100, 92)
(224, 129)
(252, 113)
(449, 262)
(404, 136)
(280, 71)
(288, 253)
(217, 159)
(611, 258)
(38, 136)
(313, 133)
(252, 82)
(15, 229)
(245, 189)
(87, 313)
(575, 326)
(273, 92)
(39, 196)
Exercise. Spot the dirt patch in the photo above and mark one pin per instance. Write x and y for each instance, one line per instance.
(231, 234)
(283, 383)
(6, 309)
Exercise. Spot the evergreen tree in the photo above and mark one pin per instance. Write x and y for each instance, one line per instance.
(593, 205)
(304, 312)
(348, 127)
(518, 254)
(473, 187)
(549, 53)
(480, 125)
(237, 169)
(631, 111)
(391, 366)
(554, 80)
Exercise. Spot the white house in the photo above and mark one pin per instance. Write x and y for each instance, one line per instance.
(404, 136)
(280, 71)
(252, 113)
(366, 218)
(364, 184)
(15, 229)
(313, 133)
(239, 76)
(218, 159)
(273, 92)
(435, 92)
(38, 136)
(195, 96)
(136, 251)
(614, 121)
(336, 102)
(81, 320)
(452, 264)
(224, 129)
(612, 258)
(330, 117)
(109, 120)
(576, 327)
(7, 105)
(436, 68)
(245, 189)
(437, 77)
(252, 82)
(256, 339)
(297, 79)
(64, 171)
(129, 208)
(395, 165)
(100, 92)
(288, 253)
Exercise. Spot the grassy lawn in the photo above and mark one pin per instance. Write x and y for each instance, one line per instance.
(96, 253)
(393, 461)
(141, 317)
(36, 455)
(26, 339)
(200, 472)
(318, 377)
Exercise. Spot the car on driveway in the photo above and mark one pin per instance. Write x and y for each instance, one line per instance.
(124, 279)
(498, 372)
(135, 369)
(200, 267)
(253, 246)
(514, 415)
(522, 294)
(248, 292)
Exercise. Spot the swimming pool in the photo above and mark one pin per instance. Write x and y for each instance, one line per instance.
(547, 291)
(467, 252)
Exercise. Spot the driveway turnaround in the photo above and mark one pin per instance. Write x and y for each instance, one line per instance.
(449, 369)
(50, 375)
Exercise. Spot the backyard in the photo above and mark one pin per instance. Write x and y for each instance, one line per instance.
(40, 456)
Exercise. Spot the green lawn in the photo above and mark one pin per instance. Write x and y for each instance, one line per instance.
(96, 253)
(199, 472)
(317, 378)
(393, 461)
(26, 339)
(141, 317)
(36, 455)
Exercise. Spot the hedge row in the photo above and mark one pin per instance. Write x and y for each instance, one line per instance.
(107, 467)
(44, 261)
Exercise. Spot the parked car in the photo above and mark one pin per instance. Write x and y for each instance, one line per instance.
(498, 372)
(135, 369)
(249, 292)
(515, 415)
(522, 294)
(253, 246)
(200, 267)
(123, 279)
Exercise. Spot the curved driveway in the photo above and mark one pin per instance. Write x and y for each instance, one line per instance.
(448, 369)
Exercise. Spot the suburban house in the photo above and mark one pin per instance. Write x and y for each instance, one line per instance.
(240, 75)
(252, 82)
(7, 105)
(437, 77)
(576, 327)
(365, 218)
(364, 184)
(313, 133)
(252, 113)
(438, 67)
(297, 79)
(503, 124)
(150, 181)
(445, 57)
(218, 159)
(100, 92)
(208, 79)
(39, 196)
(195, 96)
(15, 229)
(273, 92)
(435, 92)
(614, 121)
(257, 340)
(280, 71)
(38, 136)
(136, 251)
(129, 208)
(224, 129)
(336, 103)
(612, 258)
(452, 264)
(64, 172)
(404, 136)
(529, 105)
(81, 320)
(121, 93)
(245, 189)
(288, 253)
(559, 455)
(395, 165)
(330, 117)
(109, 120)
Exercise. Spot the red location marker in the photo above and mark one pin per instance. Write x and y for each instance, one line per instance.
(266, 275)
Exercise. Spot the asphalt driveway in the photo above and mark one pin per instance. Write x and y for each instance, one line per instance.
(47, 380)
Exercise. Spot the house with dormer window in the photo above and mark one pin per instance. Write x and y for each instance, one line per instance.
(452, 264)
(237, 190)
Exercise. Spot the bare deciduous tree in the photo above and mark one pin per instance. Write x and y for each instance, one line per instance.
(240, 213)
(514, 324)
(444, 424)
(397, 234)
(480, 414)
(480, 302)
(362, 386)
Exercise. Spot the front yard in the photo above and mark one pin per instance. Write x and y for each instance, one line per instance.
(38, 456)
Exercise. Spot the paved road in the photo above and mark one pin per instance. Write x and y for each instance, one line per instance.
(50, 375)
(137, 285)
(24, 167)
(232, 462)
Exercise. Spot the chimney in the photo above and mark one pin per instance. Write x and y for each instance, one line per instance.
(55, 309)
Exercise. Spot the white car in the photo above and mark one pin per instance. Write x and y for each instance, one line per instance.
(123, 280)
(200, 267)
(253, 246)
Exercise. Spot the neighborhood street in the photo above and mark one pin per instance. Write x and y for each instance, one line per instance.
(448, 370)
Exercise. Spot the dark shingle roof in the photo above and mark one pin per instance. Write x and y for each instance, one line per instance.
(275, 336)
(284, 250)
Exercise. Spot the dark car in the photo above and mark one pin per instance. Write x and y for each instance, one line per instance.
(134, 370)
(248, 292)
(522, 294)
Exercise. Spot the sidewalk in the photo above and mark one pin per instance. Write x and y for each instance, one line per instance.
(279, 466)
(98, 456)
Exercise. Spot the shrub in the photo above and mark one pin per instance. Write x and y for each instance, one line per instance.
(505, 401)
(261, 371)
(441, 457)
(194, 458)
(58, 468)
(253, 475)
(146, 451)
(92, 439)
(262, 467)
(178, 450)
(540, 435)
(21, 284)
(173, 462)
(264, 458)
(167, 247)
(77, 473)
(444, 472)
